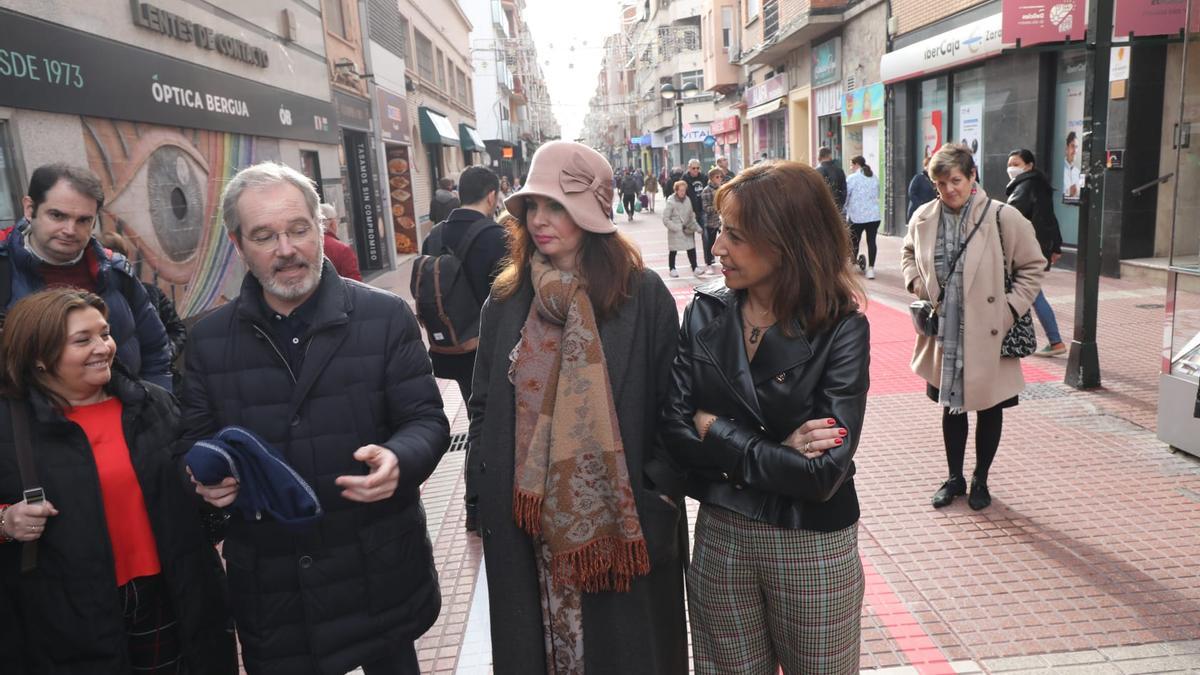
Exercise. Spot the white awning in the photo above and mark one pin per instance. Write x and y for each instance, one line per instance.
(765, 108)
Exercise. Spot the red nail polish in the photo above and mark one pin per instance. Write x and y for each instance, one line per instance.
(831, 421)
(837, 441)
(841, 432)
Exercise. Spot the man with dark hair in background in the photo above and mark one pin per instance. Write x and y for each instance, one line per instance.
(834, 177)
(53, 245)
(444, 201)
(479, 189)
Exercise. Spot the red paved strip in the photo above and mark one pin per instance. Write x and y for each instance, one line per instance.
(910, 638)
(891, 352)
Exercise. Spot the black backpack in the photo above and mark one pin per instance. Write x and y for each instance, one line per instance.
(446, 306)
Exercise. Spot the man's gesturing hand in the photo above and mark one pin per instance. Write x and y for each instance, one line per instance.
(220, 495)
(380, 483)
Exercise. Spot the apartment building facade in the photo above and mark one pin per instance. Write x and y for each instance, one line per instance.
(512, 102)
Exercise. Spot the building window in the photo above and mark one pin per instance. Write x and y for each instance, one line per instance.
(424, 56)
(751, 10)
(335, 17)
(404, 38)
(470, 92)
(460, 79)
(692, 76)
(726, 27)
(441, 71)
(690, 37)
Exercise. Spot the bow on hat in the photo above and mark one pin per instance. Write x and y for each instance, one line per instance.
(577, 177)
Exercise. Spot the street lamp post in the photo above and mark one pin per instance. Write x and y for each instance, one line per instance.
(669, 92)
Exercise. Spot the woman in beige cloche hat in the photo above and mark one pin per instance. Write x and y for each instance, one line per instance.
(579, 511)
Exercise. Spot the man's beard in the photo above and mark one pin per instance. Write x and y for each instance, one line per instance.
(297, 289)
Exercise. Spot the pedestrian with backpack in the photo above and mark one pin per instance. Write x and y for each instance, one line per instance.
(462, 254)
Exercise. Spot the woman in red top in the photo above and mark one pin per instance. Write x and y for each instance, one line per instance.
(111, 572)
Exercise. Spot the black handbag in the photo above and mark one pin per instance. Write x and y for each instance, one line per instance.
(925, 313)
(1020, 340)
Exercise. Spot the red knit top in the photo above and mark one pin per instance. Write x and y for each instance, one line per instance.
(135, 552)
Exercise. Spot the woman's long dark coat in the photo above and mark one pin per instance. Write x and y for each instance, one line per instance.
(642, 631)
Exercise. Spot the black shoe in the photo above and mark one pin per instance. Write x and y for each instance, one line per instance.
(955, 486)
(980, 497)
(862, 263)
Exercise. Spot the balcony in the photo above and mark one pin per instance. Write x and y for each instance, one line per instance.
(822, 17)
(499, 19)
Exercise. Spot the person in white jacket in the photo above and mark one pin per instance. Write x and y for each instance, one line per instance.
(680, 221)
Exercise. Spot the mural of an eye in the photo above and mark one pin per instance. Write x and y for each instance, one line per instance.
(176, 197)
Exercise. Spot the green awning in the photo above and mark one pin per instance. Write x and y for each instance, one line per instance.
(471, 142)
(436, 129)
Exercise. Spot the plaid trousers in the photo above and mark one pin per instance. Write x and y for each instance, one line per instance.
(761, 596)
(150, 626)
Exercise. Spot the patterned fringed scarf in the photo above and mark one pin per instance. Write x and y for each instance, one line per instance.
(571, 483)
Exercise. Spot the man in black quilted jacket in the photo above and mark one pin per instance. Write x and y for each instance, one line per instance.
(333, 374)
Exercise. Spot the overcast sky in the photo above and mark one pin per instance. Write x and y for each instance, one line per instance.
(570, 41)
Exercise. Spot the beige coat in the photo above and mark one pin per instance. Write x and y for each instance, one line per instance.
(680, 221)
(989, 379)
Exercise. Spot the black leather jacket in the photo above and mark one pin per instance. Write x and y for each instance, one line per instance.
(741, 464)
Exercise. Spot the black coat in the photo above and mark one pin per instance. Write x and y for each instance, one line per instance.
(346, 591)
(835, 178)
(642, 631)
(920, 192)
(64, 616)
(1031, 194)
(741, 464)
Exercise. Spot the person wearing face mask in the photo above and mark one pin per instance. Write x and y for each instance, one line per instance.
(955, 255)
(1030, 192)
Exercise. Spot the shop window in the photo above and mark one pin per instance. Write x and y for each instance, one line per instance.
(424, 56)
(933, 112)
(335, 17)
(1064, 164)
(968, 113)
(310, 166)
(10, 192)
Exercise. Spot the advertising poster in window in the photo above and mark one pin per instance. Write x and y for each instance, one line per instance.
(400, 185)
(970, 127)
(1072, 175)
(931, 132)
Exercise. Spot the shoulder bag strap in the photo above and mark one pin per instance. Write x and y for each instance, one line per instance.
(19, 412)
(954, 260)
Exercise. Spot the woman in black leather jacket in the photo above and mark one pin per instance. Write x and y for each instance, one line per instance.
(768, 395)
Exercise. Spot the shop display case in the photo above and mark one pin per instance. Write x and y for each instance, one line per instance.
(1178, 424)
(1180, 375)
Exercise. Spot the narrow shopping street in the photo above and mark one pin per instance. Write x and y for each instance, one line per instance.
(1084, 563)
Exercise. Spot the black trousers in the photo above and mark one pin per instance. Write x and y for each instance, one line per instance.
(691, 254)
(856, 232)
(709, 234)
(627, 200)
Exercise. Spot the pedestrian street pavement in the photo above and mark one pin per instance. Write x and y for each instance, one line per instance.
(1088, 560)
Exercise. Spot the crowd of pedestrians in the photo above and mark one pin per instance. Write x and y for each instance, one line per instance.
(307, 417)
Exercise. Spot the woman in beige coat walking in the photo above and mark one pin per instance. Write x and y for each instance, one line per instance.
(962, 363)
(680, 221)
